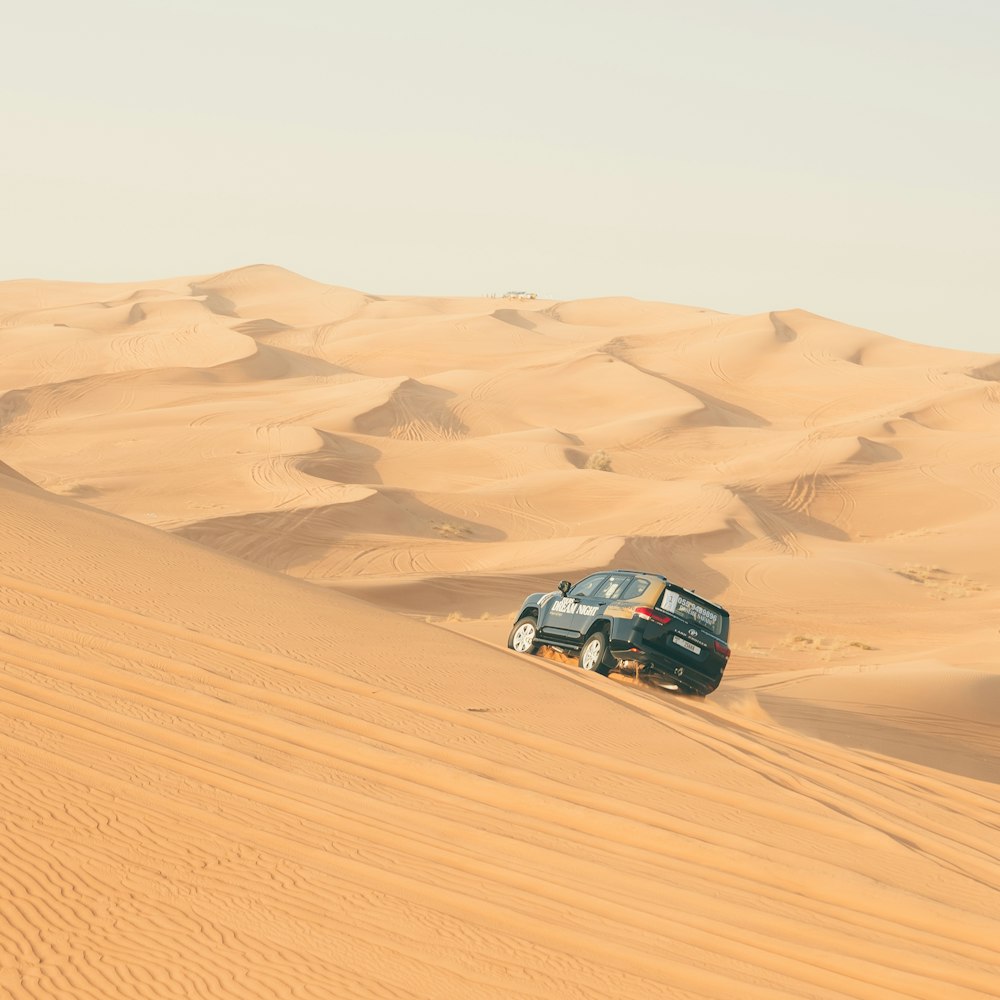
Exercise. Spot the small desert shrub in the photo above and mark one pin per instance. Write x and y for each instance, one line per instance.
(83, 490)
(940, 582)
(824, 645)
(451, 530)
(600, 460)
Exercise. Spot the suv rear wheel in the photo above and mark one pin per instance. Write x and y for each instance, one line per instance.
(593, 654)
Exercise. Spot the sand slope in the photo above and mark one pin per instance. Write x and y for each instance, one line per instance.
(221, 781)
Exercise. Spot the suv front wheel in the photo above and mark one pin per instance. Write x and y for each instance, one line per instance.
(593, 654)
(522, 635)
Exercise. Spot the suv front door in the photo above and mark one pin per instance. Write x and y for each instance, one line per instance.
(564, 616)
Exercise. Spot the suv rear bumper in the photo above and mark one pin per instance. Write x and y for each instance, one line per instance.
(684, 675)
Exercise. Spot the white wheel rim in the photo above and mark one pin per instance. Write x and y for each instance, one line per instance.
(524, 637)
(590, 654)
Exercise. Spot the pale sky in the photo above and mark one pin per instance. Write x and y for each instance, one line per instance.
(743, 156)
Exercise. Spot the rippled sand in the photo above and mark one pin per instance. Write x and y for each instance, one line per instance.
(262, 541)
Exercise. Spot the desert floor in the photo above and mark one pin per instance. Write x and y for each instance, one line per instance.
(262, 540)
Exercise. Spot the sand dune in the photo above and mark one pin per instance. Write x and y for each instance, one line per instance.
(224, 781)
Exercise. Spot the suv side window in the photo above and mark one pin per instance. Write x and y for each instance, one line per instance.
(587, 586)
(635, 589)
(612, 588)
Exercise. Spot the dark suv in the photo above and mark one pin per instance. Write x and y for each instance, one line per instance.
(630, 620)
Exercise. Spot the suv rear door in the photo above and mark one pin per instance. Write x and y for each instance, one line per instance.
(706, 618)
(695, 634)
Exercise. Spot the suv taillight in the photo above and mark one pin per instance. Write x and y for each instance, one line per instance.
(652, 615)
(722, 649)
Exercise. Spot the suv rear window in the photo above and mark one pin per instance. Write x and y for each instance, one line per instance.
(691, 609)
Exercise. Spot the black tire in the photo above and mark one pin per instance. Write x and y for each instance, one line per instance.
(522, 635)
(594, 654)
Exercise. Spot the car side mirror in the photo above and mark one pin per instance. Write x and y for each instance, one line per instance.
(564, 586)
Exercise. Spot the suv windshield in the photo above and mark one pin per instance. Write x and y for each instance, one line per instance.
(691, 609)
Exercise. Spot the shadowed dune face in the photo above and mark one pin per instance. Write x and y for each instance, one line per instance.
(933, 714)
(222, 781)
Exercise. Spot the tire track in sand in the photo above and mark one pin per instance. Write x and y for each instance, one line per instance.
(549, 833)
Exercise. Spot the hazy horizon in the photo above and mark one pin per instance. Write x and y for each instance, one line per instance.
(842, 161)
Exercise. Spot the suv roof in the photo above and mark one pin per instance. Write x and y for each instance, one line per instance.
(670, 583)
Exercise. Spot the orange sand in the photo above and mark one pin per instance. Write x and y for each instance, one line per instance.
(221, 780)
